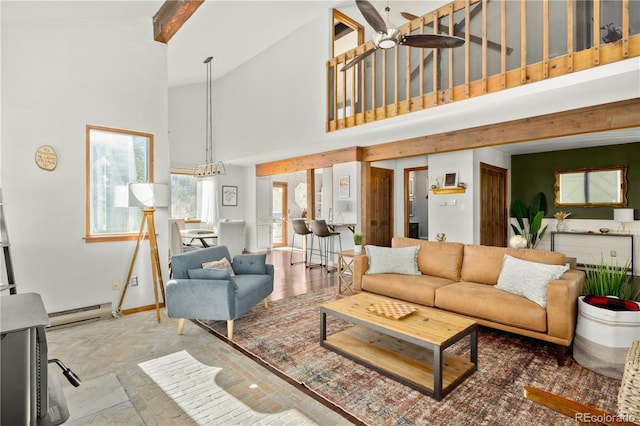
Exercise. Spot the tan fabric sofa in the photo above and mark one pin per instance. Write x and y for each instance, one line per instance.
(461, 278)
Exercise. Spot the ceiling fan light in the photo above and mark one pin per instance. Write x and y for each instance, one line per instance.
(387, 40)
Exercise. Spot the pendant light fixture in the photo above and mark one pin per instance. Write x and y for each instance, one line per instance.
(210, 167)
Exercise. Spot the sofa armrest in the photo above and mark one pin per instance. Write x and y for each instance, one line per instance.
(562, 304)
(360, 266)
(200, 299)
(269, 269)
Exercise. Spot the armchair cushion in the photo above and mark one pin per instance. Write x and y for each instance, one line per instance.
(250, 264)
(212, 274)
(222, 264)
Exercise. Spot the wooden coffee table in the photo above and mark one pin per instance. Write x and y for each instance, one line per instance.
(410, 350)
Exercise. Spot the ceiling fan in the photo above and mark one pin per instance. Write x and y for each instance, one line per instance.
(388, 36)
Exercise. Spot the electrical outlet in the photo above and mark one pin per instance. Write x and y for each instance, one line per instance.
(134, 281)
(115, 284)
(613, 253)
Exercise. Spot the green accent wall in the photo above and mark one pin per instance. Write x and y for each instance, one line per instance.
(533, 173)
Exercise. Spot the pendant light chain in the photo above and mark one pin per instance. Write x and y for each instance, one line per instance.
(209, 130)
(210, 167)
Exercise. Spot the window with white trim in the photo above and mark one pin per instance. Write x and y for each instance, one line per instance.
(115, 158)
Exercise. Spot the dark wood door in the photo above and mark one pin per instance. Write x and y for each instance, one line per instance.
(381, 207)
(493, 206)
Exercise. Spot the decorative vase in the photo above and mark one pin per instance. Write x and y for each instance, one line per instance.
(561, 226)
(357, 248)
(603, 338)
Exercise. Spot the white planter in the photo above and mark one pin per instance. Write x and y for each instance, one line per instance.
(603, 338)
(357, 248)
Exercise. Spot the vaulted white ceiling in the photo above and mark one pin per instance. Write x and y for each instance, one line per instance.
(235, 31)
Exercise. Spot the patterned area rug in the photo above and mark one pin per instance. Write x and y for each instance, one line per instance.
(286, 337)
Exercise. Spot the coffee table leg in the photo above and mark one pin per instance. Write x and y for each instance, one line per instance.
(323, 326)
(437, 373)
(474, 347)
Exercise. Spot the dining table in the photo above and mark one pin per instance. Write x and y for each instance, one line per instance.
(200, 234)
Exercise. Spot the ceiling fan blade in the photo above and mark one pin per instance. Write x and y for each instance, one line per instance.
(358, 59)
(372, 16)
(408, 16)
(431, 40)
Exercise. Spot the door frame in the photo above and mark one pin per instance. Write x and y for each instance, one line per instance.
(407, 218)
(285, 214)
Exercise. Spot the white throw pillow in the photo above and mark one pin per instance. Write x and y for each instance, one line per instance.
(387, 260)
(219, 264)
(528, 279)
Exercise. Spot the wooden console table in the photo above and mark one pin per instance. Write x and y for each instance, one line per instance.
(555, 234)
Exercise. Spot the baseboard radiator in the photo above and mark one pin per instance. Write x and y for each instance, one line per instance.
(80, 315)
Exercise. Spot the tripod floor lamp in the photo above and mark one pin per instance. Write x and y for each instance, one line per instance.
(148, 196)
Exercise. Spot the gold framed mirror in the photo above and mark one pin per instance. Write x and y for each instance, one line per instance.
(591, 187)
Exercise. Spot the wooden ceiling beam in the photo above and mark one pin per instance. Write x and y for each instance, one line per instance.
(598, 118)
(171, 16)
(311, 161)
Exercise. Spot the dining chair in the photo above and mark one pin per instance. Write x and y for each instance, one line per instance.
(231, 233)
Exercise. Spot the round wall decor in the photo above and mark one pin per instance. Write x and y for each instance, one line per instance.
(46, 158)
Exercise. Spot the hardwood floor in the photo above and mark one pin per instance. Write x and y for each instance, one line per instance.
(291, 280)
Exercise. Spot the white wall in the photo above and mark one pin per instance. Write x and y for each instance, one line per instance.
(453, 214)
(58, 75)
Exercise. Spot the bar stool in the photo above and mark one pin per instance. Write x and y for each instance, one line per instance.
(299, 228)
(322, 232)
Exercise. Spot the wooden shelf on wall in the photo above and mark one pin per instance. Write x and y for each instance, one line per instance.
(438, 191)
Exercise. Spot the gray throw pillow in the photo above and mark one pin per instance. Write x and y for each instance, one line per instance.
(211, 274)
(528, 279)
(388, 260)
(250, 264)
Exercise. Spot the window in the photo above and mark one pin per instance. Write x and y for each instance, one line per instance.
(184, 196)
(194, 199)
(114, 158)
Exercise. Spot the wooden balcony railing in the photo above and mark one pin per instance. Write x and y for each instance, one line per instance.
(508, 44)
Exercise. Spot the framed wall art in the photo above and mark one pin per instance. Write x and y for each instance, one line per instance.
(229, 195)
(343, 187)
(450, 180)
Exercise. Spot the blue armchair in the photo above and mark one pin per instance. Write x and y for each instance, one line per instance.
(213, 294)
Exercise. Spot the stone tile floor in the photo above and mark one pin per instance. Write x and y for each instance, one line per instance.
(116, 390)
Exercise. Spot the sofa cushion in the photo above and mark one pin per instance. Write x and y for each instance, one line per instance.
(219, 264)
(384, 260)
(434, 258)
(211, 274)
(417, 289)
(249, 263)
(528, 279)
(483, 264)
(487, 302)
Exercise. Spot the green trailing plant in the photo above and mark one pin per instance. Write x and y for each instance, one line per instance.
(532, 231)
(608, 279)
(357, 239)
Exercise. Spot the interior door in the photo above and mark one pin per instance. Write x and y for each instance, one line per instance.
(280, 215)
(381, 206)
(493, 206)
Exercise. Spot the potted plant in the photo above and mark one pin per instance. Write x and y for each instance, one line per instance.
(534, 232)
(608, 319)
(357, 242)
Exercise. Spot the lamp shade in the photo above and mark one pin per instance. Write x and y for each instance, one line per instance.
(148, 195)
(623, 215)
